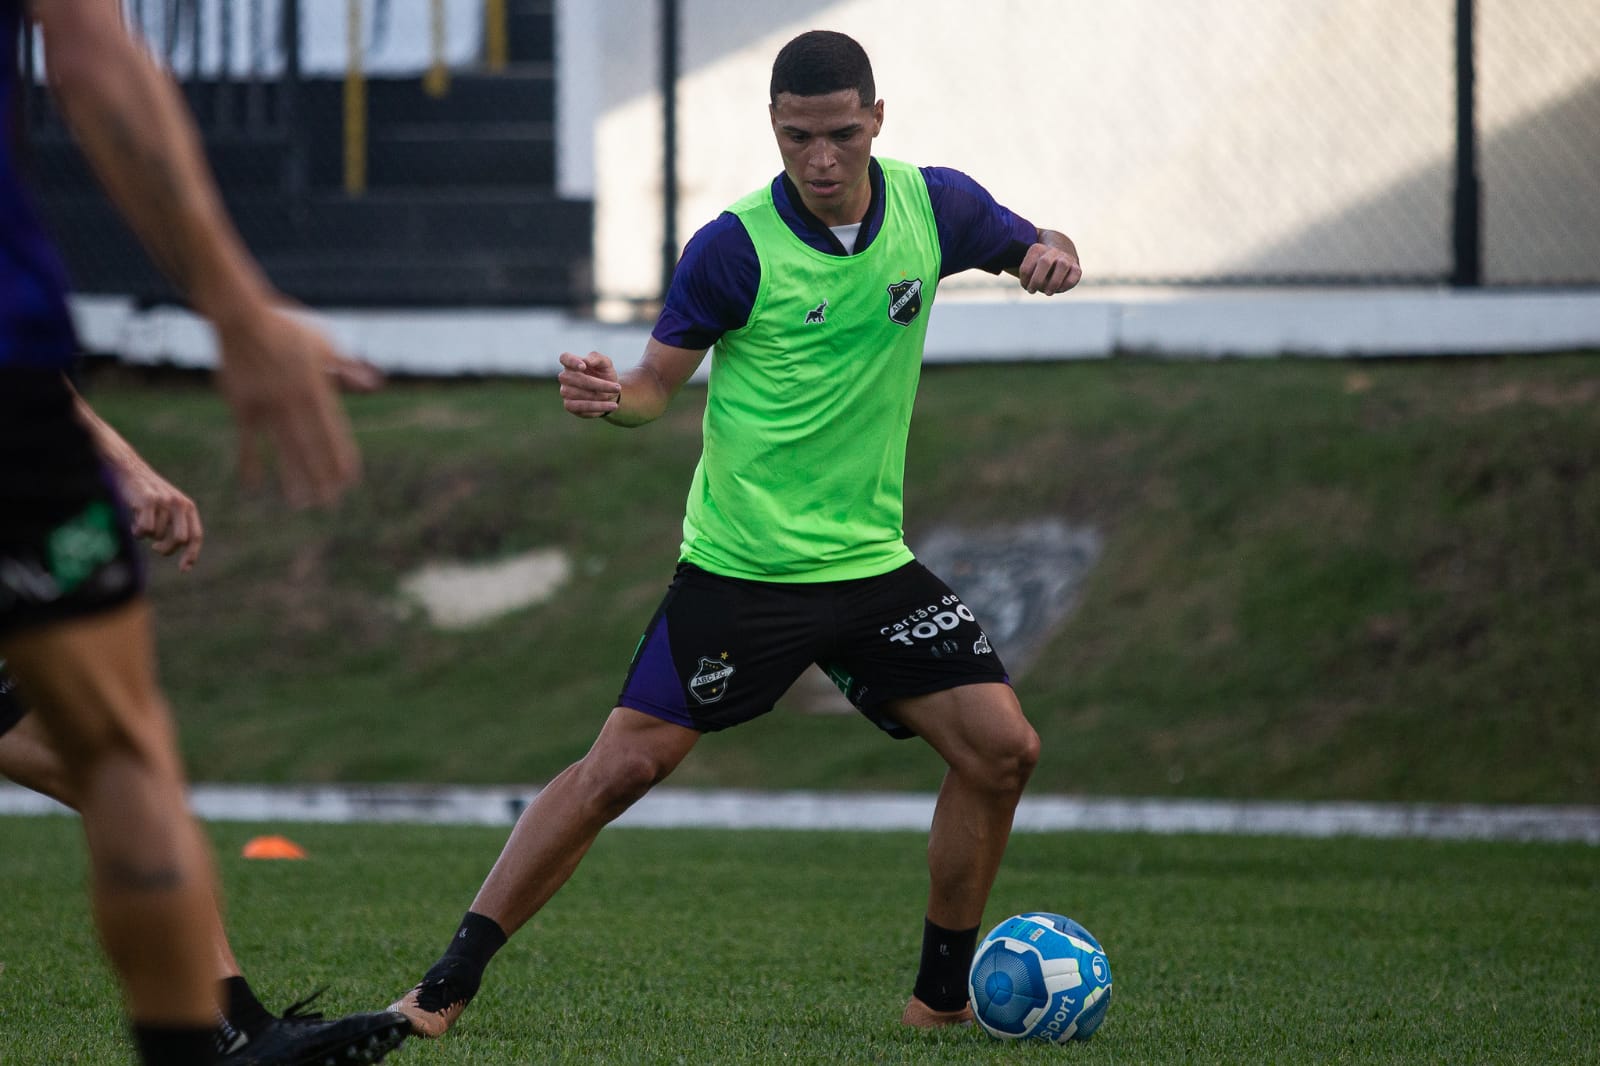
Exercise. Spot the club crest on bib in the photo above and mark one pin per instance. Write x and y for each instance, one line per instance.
(905, 301)
(818, 314)
(710, 681)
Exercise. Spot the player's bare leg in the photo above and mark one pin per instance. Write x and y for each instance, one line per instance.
(991, 751)
(632, 754)
(245, 1028)
(27, 758)
(92, 684)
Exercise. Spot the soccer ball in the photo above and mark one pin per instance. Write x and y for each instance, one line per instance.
(1040, 976)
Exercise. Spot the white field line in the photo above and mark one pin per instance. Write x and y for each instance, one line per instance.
(739, 809)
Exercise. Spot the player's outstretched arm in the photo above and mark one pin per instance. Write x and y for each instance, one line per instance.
(591, 387)
(138, 136)
(1050, 265)
(161, 514)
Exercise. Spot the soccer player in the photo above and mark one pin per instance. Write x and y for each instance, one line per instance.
(169, 519)
(74, 623)
(815, 292)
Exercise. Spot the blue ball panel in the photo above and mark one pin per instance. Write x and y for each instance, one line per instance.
(1006, 986)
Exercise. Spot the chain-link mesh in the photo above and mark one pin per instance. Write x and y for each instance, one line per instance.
(1539, 115)
(1227, 141)
(1210, 141)
(1203, 142)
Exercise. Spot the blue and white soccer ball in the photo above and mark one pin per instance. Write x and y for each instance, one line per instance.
(1040, 976)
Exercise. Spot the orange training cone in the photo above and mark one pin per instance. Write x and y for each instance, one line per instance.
(273, 847)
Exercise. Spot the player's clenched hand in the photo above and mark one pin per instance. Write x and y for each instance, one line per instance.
(275, 376)
(1051, 265)
(162, 514)
(590, 387)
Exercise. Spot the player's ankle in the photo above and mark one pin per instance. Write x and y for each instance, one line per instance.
(241, 1008)
(942, 975)
(475, 942)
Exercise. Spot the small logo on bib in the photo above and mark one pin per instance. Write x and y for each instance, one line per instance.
(905, 301)
(816, 315)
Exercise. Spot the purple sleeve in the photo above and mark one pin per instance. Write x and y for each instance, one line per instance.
(713, 287)
(974, 231)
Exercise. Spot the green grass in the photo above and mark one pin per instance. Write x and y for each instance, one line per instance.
(1320, 580)
(755, 947)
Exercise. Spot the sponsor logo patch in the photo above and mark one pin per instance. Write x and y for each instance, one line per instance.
(83, 545)
(928, 623)
(80, 556)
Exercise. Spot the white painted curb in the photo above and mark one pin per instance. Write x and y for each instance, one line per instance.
(669, 808)
(1089, 324)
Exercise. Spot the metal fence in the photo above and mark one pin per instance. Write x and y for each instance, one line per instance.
(403, 151)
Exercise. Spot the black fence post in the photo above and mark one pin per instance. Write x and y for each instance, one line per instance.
(669, 143)
(296, 179)
(1467, 228)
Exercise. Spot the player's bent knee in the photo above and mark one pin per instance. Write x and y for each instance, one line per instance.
(1028, 755)
(1025, 746)
(619, 779)
(1010, 761)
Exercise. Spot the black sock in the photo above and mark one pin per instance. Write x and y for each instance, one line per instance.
(476, 940)
(161, 1045)
(946, 958)
(241, 1007)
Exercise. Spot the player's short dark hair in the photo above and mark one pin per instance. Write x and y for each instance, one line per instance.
(819, 62)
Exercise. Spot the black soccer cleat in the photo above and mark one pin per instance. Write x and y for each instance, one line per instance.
(297, 1040)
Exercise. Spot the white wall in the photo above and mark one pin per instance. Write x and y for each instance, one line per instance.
(1214, 137)
(579, 77)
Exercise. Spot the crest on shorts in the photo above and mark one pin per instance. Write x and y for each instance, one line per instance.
(710, 681)
(905, 301)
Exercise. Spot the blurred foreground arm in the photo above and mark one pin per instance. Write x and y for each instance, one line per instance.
(162, 514)
(136, 132)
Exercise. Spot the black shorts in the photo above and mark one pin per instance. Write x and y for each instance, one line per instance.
(721, 650)
(66, 549)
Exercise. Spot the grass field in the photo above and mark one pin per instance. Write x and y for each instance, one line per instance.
(1373, 581)
(1320, 580)
(707, 947)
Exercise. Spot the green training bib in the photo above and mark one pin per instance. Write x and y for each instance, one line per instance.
(802, 473)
